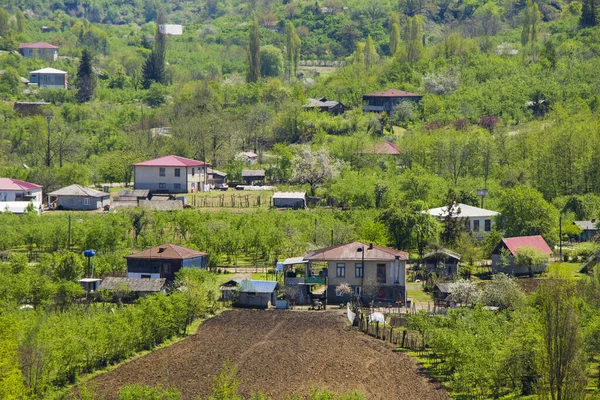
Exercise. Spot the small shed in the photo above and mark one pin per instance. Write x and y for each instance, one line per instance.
(512, 246)
(134, 287)
(77, 197)
(90, 285)
(443, 262)
(27, 108)
(588, 230)
(216, 177)
(250, 293)
(293, 200)
(442, 290)
(253, 176)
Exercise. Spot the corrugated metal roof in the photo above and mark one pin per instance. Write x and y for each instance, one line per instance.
(167, 252)
(133, 284)
(78, 190)
(294, 260)
(49, 71)
(253, 172)
(586, 225)
(250, 285)
(134, 193)
(38, 45)
(171, 161)
(465, 211)
(289, 195)
(444, 252)
(349, 252)
(513, 244)
(10, 184)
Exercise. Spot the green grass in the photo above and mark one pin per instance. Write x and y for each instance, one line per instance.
(565, 269)
(263, 277)
(415, 292)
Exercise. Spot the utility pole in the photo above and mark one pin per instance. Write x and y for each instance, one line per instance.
(560, 236)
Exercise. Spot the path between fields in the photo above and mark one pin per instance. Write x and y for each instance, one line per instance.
(278, 353)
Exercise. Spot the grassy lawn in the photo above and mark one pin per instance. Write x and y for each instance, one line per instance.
(415, 292)
(565, 269)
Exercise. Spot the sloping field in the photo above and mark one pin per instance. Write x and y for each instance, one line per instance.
(278, 353)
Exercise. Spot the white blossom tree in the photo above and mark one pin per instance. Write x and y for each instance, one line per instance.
(314, 167)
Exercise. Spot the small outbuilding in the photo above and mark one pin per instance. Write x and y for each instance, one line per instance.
(295, 200)
(250, 293)
(589, 230)
(443, 262)
(133, 287)
(77, 197)
(253, 176)
(511, 246)
(322, 104)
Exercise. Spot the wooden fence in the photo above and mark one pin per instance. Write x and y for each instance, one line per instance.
(231, 201)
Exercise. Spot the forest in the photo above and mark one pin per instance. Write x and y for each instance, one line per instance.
(510, 103)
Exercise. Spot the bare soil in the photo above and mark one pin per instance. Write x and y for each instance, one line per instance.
(278, 353)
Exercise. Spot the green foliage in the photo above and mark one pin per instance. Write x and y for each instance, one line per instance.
(139, 392)
(254, 65)
(156, 95)
(86, 80)
(154, 68)
(271, 61)
(529, 257)
(225, 385)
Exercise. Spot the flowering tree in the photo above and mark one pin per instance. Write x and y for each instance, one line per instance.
(314, 167)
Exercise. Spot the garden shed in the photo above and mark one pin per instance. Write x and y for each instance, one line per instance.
(253, 176)
(133, 287)
(293, 200)
(250, 293)
(443, 262)
(511, 246)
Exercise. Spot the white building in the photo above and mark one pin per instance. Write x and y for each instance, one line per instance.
(170, 174)
(173, 30)
(16, 196)
(49, 78)
(477, 220)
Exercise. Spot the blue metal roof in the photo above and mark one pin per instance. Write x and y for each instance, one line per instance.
(249, 285)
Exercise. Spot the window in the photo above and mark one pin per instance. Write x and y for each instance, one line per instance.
(177, 185)
(86, 201)
(381, 273)
(467, 225)
(162, 185)
(162, 172)
(177, 172)
(146, 276)
(341, 270)
(193, 171)
(358, 291)
(488, 225)
(359, 270)
(476, 225)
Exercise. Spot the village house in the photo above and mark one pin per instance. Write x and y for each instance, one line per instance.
(253, 176)
(49, 78)
(511, 247)
(42, 50)
(164, 261)
(443, 262)
(383, 270)
(17, 196)
(478, 221)
(248, 157)
(170, 174)
(216, 178)
(77, 197)
(386, 100)
(322, 104)
(589, 230)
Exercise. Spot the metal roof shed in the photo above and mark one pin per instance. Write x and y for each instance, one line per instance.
(293, 200)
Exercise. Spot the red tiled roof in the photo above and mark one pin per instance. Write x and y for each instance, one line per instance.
(39, 45)
(171, 161)
(513, 244)
(383, 148)
(392, 93)
(16, 185)
(168, 252)
(349, 252)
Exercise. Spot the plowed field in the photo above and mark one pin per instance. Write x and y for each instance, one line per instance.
(278, 353)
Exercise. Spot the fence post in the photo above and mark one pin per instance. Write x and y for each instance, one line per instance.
(377, 329)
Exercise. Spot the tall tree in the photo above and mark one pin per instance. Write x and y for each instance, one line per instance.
(86, 81)
(254, 53)
(359, 54)
(4, 21)
(588, 14)
(292, 47)
(371, 55)
(154, 67)
(21, 24)
(314, 168)
(531, 19)
(394, 38)
(413, 37)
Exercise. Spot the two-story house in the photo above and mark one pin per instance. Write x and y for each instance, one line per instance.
(478, 221)
(164, 261)
(40, 50)
(365, 267)
(49, 78)
(386, 100)
(16, 195)
(170, 174)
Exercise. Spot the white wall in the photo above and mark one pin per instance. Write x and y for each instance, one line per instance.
(149, 178)
(10, 195)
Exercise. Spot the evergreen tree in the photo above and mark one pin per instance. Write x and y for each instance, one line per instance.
(359, 54)
(254, 54)
(154, 67)
(413, 37)
(86, 82)
(395, 39)
(531, 19)
(370, 52)
(588, 14)
(292, 46)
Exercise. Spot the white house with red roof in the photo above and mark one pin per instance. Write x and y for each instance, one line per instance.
(17, 195)
(503, 256)
(40, 50)
(171, 174)
(362, 265)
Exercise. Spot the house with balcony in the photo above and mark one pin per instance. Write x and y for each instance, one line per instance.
(386, 100)
(171, 174)
(49, 78)
(365, 268)
(42, 50)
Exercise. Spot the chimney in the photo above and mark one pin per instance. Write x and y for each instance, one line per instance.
(370, 246)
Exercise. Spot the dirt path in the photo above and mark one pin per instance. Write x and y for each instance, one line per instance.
(278, 353)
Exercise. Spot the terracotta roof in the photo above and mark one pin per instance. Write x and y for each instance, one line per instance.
(38, 45)
(78, 190)
(392, 93)
(11, 184)
(171, 161)
(168, 252)
(383, 148)
(513, 244)
(348, 252)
